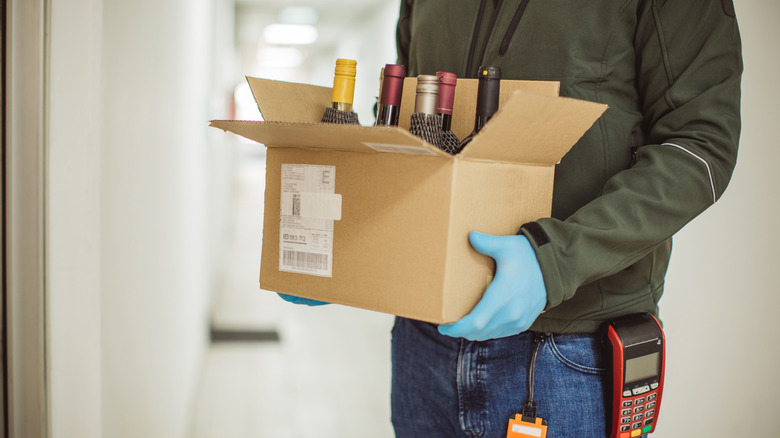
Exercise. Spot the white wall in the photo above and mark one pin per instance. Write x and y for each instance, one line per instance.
(131, 228)
(721, 300)
(73, 235)
(154, 209)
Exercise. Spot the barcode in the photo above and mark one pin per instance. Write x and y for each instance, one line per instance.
(296, 204)
(307, 260)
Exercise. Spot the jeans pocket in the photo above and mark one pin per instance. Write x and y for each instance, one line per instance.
(580, 352)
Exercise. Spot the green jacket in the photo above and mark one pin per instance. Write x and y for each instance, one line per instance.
(662, 153)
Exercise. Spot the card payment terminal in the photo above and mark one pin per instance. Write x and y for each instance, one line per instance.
(636, 346)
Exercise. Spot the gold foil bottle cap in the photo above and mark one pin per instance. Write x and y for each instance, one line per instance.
(344, 82)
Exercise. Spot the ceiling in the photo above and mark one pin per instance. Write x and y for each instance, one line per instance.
(253, 15)
(344, 27)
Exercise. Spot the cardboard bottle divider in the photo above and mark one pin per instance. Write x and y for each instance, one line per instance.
(401, 209)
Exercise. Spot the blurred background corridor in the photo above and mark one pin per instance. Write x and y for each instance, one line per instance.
(133, 233)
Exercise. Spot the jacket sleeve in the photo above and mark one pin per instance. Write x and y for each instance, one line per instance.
(688, 76)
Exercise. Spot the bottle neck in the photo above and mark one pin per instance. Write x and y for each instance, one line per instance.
(480, 122)
(342, 106)
(427, 98)
(387, 115)
(426, 103)
(392, 90)
(447, 83)
(390, 95)
(344, 84)
(446, 121)
(487, 101)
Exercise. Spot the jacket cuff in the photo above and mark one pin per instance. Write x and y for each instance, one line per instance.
(540, 241)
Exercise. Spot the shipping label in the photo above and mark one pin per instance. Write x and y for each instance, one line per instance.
(309, 208)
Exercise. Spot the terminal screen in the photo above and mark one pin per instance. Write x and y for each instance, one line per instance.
(641, 367)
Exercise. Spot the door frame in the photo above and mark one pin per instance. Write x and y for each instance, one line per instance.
(3, 258)
(24, 222)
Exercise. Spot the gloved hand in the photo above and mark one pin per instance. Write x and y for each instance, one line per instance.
(514, 298)
(302, 301)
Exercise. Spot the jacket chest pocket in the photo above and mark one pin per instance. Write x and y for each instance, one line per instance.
(557, 39)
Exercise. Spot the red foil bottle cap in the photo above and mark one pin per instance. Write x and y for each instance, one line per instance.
(447, 83)
(393, 84)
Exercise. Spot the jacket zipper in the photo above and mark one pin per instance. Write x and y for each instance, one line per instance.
(470, 63)
(470, 69)
(510, 32)
(492, 25)
(634, 148)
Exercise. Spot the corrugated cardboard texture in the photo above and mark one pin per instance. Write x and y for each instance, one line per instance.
(281, 101)
(533, 129)
(351, 138)
(492, 198)
(401, 246)
(389, 254)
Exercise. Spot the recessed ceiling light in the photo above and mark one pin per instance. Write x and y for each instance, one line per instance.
(290, 34)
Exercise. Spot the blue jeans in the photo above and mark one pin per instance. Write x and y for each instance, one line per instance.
(448, 387)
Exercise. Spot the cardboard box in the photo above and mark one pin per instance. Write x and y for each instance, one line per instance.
(374, 217)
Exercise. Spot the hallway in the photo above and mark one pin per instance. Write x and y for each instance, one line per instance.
(133, 232)
(327, 375)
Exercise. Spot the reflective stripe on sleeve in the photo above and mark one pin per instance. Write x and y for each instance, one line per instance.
(709, 172)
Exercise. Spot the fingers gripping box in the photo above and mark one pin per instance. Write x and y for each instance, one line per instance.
(376, 218)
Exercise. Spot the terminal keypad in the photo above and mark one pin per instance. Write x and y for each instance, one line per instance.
(637, 413)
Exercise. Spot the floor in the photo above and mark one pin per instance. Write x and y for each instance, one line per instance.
(327, 374)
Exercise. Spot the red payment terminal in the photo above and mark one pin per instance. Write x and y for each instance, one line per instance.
(636, 346)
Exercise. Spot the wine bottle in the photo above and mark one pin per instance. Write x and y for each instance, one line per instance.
(340, 110)
(488, 90)
(390, 95)
(447, 82)
(424, 122)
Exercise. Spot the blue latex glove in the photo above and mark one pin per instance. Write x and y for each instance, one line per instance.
(302, 301)
(514, 298)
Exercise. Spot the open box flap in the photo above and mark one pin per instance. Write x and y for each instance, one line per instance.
(281, 101)
(347, 138)
(533, 129)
